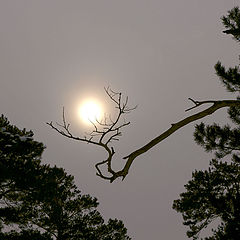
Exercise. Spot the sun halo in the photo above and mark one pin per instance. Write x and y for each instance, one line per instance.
(90, 111)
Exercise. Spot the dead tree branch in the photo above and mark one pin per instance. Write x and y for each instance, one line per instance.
(109, 130)
(104, 132)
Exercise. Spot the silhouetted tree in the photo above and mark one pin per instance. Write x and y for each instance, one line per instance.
(215, 193)
(42, 202)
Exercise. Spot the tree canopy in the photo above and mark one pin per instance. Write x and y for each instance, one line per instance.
(215, 193)
(41, 202)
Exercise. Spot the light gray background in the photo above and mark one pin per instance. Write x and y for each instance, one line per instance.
(54, 53)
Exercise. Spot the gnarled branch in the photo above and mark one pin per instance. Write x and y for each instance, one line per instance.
(104, 132)
(108, 130)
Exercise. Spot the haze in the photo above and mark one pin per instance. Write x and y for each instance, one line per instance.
(159, 53)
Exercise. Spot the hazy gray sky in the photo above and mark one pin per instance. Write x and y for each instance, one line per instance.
(54, 53)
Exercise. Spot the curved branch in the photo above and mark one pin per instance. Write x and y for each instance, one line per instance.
(109, 130)
(175, 126)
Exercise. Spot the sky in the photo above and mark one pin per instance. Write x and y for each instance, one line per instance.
(157, 52)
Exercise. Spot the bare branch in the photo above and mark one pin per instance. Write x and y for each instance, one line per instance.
(174, 127)
(104, 132)
(109, 130)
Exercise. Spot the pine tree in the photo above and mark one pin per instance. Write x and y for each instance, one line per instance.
(42, 202)
(215, 193)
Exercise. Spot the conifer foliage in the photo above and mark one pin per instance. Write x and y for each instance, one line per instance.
(215, 193)
(39, 202)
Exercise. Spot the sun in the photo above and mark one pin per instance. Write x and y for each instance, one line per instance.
(90, 111)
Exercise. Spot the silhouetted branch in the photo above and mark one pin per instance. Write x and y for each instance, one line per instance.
(109, 130)
(104, 132)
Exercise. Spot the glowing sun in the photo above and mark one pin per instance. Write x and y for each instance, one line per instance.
(90, 111)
